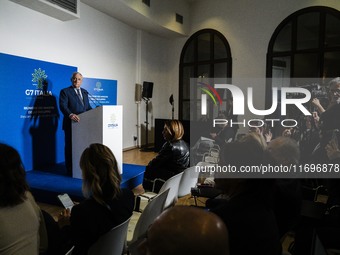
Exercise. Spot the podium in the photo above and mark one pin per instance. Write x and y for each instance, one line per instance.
(103, 125)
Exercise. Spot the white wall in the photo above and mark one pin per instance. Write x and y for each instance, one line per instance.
(164, 12)
(248, 26)
(103, 47)
(100, 46)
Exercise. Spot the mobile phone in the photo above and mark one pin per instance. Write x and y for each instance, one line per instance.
(66, 201)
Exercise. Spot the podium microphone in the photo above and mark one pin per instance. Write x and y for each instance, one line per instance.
(171, 99)
(92, 99)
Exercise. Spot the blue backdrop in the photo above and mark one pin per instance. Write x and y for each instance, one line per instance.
(30, 118)
(101, 92)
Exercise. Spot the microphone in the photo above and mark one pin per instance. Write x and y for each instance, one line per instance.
(92, 99)
(171, 99)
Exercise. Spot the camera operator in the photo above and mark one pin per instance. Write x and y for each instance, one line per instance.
(329, 118)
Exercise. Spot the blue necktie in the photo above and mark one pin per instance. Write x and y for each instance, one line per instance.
(80, 97)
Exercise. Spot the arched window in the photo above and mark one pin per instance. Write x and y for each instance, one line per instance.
(205, 55)
(305, 45)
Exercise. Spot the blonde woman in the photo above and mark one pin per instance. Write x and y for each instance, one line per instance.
(172, 159)
(106, 204)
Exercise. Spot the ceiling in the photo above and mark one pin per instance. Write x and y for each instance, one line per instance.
(119, 10)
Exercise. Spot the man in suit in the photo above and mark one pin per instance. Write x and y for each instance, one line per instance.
(73, 100)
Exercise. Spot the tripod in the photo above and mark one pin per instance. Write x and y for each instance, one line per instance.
(146, 100)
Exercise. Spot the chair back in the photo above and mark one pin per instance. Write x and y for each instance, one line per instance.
(112, 242)
(188, 181)
(152, 210)
(317, 246)
(172, 184)
(69, 252)
(205, 169)
(213, 156)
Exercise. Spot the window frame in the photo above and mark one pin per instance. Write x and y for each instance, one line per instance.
(197, 63)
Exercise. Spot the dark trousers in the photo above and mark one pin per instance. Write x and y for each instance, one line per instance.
(58, 240)
(151, 174)
(68, 151)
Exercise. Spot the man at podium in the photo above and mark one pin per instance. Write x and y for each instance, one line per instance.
(73, 100)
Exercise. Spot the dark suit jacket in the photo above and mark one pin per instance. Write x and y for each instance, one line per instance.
(69, 102)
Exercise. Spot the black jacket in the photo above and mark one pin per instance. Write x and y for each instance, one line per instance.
(172, 159)
(90, 220)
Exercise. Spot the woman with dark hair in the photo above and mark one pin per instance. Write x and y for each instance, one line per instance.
(172, 159)
(106, 204)
(22, 228)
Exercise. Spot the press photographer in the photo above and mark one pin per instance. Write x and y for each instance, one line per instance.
(329, 118)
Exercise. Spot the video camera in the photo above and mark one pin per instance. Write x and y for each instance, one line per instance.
(316, 90)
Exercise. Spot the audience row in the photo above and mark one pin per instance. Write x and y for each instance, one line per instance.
(250, 217)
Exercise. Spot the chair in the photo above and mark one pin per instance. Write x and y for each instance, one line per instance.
(317, 246)
(152, 210)
(313, 192)
(202, 146)
(69, 252)
(172, 184)
(313, 210)
(210, 159)
(112, 242)
(205, 170)
(188, 181)
(212, 156)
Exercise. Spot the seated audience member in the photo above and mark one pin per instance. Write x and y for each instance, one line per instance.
(329, 120)
(22, 228)
(106, 206)
(333, 184)
(224, 133)
(247, 206)
(184, 230)
(287, 194)
(309, 137)
(230, 116)
(261, 135)
(329, 231)
(172, 159)
(261, 129)
(293, 133)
